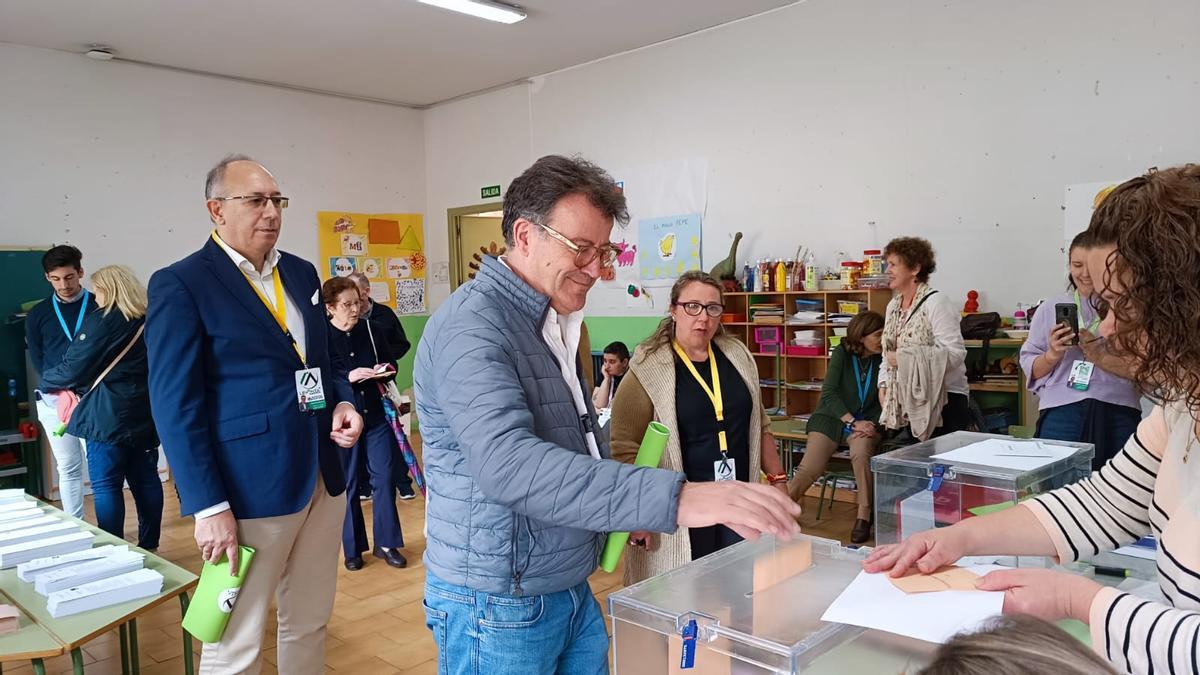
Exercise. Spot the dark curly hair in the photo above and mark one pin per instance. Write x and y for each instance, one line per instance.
(915, 252)
(1154, 223)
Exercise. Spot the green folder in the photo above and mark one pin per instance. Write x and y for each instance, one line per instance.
(210, 608)
(649, 454)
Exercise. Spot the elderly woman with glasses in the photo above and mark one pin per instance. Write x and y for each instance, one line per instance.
(702, 385)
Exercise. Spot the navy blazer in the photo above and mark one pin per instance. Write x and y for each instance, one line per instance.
(223, 388)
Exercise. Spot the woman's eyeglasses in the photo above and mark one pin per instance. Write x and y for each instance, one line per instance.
(694, 308)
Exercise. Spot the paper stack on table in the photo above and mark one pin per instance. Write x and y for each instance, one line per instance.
(30, 571)
(12, 495)
(15, 554)
(57, 528)
(26, 510)
(87, 571)
(111, 591)
(39, 519)
(875, 601)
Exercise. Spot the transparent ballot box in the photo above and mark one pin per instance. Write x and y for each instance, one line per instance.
(917, 491)
(757, 609)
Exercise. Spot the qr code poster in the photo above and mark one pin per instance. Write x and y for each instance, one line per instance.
(410, 296)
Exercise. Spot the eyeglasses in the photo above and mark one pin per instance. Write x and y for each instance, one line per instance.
(694, 308)
(258, 202)
(585, 254)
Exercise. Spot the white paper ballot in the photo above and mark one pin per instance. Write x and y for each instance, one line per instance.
(39, 519)
(30, 571)
(87, 571)
(1138, 552)
(19, 514)
(1016, 454)
(112, 591)
(12, 495)
(872, 601)
(17, 506)
(40, 532)
(15, 554)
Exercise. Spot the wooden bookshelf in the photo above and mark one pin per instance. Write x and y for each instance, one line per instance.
(792, 368)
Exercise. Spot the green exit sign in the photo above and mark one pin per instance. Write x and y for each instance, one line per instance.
(489, 192)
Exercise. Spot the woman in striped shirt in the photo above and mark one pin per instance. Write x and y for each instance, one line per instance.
(1147, 263)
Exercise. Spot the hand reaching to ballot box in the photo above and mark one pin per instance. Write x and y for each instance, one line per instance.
(749, 509)
(927, 551)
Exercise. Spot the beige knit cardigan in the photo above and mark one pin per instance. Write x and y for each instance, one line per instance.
(648, 394)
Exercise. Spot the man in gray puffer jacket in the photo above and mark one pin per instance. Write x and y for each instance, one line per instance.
(520, 491)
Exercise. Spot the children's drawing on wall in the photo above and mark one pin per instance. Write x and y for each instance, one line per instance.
(386, 247)
(341, 266)
(370, 267)
(410, 296)
(668, 246)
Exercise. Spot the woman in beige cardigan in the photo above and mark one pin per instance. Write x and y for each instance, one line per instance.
(670, 380)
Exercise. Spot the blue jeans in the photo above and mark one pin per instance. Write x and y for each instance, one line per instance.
(481, 633)
(1106, 425)
(110, 466)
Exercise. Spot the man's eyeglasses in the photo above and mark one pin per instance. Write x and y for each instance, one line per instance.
(258, 202)
(694, 308)
(585, 254)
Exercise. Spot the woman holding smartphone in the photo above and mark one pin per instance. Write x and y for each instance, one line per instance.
(1078, 400)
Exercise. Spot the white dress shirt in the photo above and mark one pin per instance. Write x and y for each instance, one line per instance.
(561, 333)
(265, 282)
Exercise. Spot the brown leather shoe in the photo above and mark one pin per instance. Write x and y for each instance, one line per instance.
(861, 532)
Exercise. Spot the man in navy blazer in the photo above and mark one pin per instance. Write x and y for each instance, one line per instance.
(228, 357)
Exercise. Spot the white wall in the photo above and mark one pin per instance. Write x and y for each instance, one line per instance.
(957, 121)
(111, 157)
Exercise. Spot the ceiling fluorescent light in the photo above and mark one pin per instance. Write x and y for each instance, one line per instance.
(484, 9)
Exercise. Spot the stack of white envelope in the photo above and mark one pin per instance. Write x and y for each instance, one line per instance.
(105, 592)
(54, 529)
(88, 571)
(12, 555)
(30, 571)
(12, 496)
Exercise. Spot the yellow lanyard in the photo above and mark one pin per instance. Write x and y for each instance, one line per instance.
(714, 394)
(278, 310)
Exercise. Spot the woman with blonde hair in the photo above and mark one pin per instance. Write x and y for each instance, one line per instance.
(1016, 645)
(106, 367)
(703, 386)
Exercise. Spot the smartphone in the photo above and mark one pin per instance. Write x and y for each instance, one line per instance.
(1068, 313)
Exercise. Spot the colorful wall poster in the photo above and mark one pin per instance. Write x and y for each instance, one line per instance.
(387, 247)
(668, 247)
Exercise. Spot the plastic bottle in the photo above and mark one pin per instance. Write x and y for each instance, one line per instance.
(812, 275)
(747, 277)
(1020, 319)
(781, 283)
(760, 282)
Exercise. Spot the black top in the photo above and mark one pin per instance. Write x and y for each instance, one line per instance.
(44, 334)
(118, 410)
(697, 420)
(353, 349)
(389, 330)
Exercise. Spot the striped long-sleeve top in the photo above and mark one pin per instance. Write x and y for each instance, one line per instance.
(1148, 487)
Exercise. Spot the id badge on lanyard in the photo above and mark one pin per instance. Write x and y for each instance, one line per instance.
(310, 393)
(725, 468)
(1081, 375)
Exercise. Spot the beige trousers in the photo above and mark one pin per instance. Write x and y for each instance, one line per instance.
(817, 451)
(295, 563)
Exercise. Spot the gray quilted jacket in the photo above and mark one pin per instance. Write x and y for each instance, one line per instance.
(516, 505)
